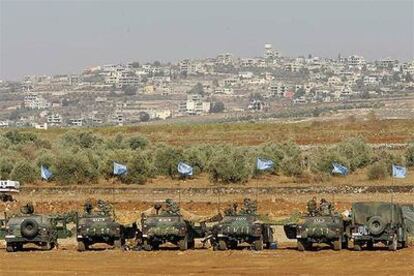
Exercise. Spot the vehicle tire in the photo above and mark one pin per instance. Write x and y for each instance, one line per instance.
(345, 243)
(47, 246)
(303, 245)
(376, 225)
(191, 244)
(81, 246)
(146, 245)
(393, 246)
(29, 228)
(337, 245)
(258, 245)
(10, 247)
(118, 244)
(370, 245)
(222, 245)
(357, 247)
(183, 244)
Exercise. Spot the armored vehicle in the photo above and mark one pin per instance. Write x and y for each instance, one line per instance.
(167, 225)
(98, 227)
(320, 225)
(31, 228)
(331, 229)
(374, 222)
(241, 227)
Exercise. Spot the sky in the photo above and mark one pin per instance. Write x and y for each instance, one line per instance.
(45, 37)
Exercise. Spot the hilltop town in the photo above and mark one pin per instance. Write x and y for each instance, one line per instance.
(225, 87)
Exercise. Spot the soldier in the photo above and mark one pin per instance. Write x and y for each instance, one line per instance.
(232, 210)
(325, 207)
(88, 207)
(157, 208)
(104, 207)
(27, 209)
(172, 207)
(312, 207)
(249, 206)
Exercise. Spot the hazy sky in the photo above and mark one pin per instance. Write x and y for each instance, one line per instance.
(66, 36)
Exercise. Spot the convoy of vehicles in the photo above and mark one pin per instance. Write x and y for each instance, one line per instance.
(368, 224)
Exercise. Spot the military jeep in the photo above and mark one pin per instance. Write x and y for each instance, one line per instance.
(241, 227)
(329, 229)
(374, 222)
(161, 228)
(98, 227)
(29, 228)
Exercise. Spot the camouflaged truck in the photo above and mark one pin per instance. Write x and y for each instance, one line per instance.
(241, 227)
(374, 222)
(330, 229)
(167, 225)
(320, 225)
(30, 228)
(98, 227)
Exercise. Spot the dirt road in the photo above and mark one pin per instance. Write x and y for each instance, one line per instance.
(285, 261)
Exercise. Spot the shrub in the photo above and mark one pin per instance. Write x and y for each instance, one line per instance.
(198, 157)
(24, 172)
(322, 158)
(409, 155)
(6, 167)
(230, 165)
(356, 152)
(84, 139)
(377, 171)
(167, 159)
(140, 168)
(17, 137)
(388, 158)
(291, 166)
(138, 142)
(76, 168)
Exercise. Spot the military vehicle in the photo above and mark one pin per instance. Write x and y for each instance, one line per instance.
(374, 222)
(98, 227)
(167, 225)
(30, 228)
(321, 225)
(241, 227)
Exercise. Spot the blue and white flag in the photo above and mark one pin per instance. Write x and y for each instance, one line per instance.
(185, 169)
(339, 169)
(399, 171)
(264, 164)
(45, 173)
(120, 169)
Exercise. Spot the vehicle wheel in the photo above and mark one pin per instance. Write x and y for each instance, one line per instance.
(222, 245)
(118, 244)
(303, 245)
(394, 244)
(29, 228)
(258, 245)
(183, 244)
(81, 246)
(10, 247)
(376, 225)
(47, 246)
(337, 245)
(357, 247)
(191, 244)
(345, 243)
(370, 245)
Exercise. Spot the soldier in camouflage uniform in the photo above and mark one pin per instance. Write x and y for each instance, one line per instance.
(171, 207)
(232, 210)
(104, 207)
(88, 207)
(312, 207)
(325, 207)
(249, 207)
(27, 209)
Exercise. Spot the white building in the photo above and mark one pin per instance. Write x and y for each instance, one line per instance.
(196, 104)
(54, 119)
(33, 101)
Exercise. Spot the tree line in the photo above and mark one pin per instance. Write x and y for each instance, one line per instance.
(83, 157)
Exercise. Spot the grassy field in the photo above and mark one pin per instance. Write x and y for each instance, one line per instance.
(254, 133)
